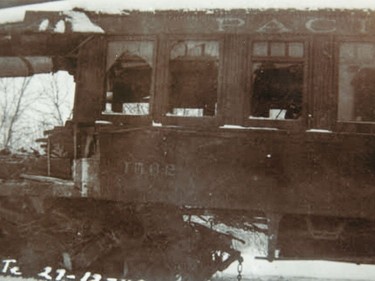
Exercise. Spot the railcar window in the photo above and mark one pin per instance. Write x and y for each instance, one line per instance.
(129, 77)
(357, 82)
(193, 78)
(277, 80)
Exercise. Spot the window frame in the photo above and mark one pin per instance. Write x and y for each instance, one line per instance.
(288, 124)
(353, 126)
(119, 118)
(196, 121)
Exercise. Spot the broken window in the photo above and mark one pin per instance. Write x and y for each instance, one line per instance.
(129, 77)
(357, 82)
(193, 78)
(277, 80)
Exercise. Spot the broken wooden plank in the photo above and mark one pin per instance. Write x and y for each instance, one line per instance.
(47, 179)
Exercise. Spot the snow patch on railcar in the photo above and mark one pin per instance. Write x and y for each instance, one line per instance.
(17, 14)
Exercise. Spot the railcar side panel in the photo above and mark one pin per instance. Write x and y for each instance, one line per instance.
(287, 173)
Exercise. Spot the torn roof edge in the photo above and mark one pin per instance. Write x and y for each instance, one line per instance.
(119, 7)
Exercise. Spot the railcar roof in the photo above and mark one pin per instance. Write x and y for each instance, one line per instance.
(16, 14)
(77, 19)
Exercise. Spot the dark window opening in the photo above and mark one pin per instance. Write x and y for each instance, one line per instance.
(364, 94)
(129, 78)
(277, 90)
(277, 79)
(193, 78)
(357, 82)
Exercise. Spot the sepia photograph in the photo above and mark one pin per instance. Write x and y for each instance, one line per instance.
(187, 140)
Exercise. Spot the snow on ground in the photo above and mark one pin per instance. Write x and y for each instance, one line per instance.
(308, 269)
(255, 246)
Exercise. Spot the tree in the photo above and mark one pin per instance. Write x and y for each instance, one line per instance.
(55, 99)
(13, 103)
(30, 105)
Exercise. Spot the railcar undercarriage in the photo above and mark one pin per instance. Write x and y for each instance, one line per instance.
(160, 241)
(149, 242)
(46, 221)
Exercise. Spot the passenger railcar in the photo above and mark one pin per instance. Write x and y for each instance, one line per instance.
(262, 116)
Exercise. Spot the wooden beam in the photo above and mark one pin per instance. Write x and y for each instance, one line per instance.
(48, 180)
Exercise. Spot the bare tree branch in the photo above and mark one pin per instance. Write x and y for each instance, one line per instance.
(28, 106)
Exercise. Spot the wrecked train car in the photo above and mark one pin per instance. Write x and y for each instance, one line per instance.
(257, 116)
